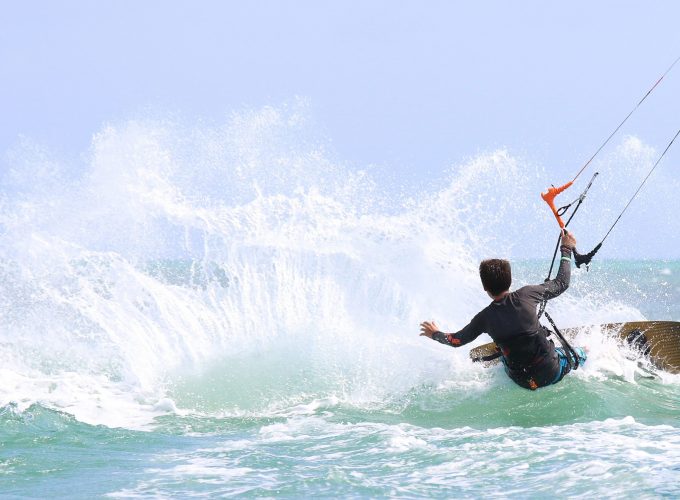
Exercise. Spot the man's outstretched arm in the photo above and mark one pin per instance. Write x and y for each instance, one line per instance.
(457, 339)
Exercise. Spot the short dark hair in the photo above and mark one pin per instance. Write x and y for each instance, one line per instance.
(496, 275)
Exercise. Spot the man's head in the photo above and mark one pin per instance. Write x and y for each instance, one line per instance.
(496, 276)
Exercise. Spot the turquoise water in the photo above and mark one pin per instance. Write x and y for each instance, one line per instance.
(229, 312)
(296, 418)
(592, 437)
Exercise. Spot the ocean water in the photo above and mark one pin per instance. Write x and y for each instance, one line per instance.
(216, 311)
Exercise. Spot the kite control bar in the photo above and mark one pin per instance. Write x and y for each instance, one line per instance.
(549, 198)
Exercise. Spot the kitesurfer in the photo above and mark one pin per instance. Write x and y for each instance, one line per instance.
(531, 359)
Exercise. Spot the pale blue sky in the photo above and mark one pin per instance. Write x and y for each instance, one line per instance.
(413, 87)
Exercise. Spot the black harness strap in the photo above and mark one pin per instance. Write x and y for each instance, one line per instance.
(572, 357)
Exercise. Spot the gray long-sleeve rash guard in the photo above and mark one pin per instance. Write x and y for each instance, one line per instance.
(514, 315)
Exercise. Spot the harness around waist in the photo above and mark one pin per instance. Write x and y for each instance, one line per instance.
(527, 352)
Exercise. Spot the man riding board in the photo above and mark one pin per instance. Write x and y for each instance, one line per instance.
(531, 360)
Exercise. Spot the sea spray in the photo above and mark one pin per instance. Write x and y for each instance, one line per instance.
(241, 268)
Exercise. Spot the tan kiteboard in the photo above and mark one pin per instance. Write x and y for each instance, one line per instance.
(659, 341)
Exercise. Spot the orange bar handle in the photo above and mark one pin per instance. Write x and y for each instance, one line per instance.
(549, 198)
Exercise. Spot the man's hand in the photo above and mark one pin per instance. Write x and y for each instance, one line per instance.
(427, 329)
(568, 239)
